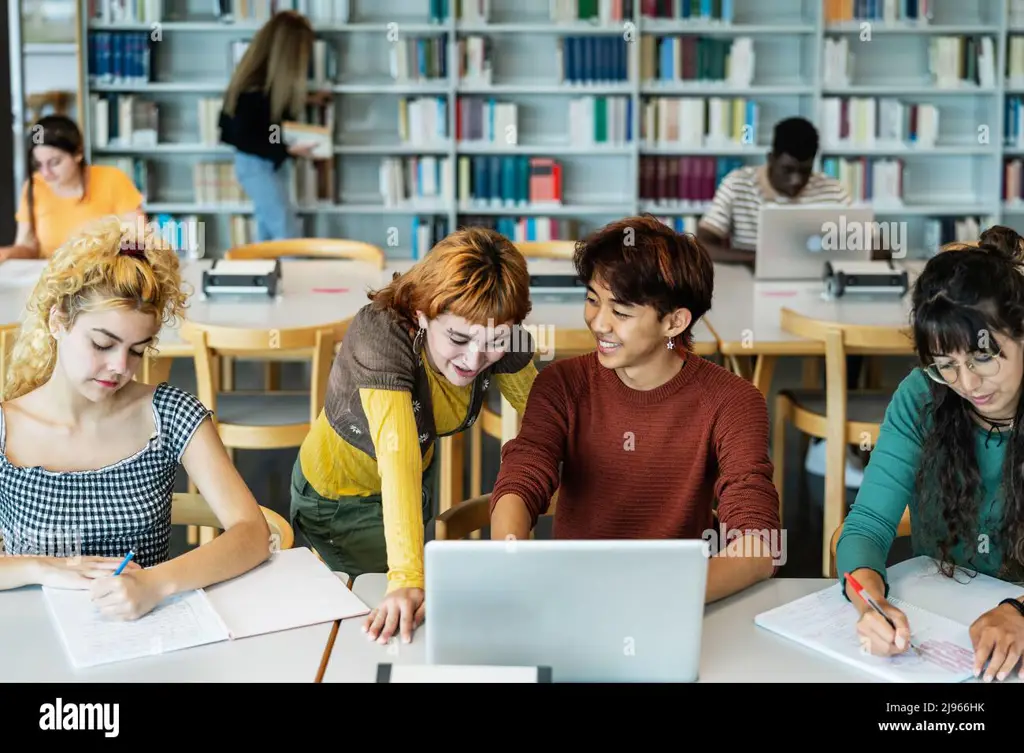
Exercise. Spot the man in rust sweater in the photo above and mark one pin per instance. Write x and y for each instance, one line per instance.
(648, 434)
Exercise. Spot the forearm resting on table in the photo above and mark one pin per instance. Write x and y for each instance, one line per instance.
(511, 518)
(17, 571)
(733, 569)
(237, 550)
(18, 252)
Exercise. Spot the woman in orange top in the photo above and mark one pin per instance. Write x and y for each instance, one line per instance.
(65, 193)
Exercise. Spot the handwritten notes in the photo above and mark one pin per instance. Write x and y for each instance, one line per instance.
(827, 622)
(91, 638)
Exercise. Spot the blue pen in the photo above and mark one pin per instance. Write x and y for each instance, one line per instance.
(124, 562)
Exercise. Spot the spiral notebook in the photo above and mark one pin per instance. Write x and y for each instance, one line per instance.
(292, 589)
(825, 621)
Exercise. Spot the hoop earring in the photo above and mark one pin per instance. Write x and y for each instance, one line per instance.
(417, 343)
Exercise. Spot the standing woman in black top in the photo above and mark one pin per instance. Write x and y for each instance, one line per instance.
(269, 87)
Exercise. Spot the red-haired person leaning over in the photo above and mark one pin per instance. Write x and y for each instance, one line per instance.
(415, 366)
(648, 434)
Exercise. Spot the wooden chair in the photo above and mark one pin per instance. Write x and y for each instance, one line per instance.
(839, 417)
(468, 518)
(311, 248)
(261, 420)
(902, 530)
(307, 248)
(547, 249)
(193, 510)
(8, 334)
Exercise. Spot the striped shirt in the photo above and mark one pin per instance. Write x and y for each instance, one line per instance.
(735, 210)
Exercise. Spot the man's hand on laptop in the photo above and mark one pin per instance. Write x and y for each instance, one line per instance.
(401, 611)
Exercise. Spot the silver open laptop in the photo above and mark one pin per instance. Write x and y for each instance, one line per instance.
(592, 610)
(795, 240)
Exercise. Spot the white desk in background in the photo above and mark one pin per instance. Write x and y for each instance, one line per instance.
(745, 316)
(733, 648)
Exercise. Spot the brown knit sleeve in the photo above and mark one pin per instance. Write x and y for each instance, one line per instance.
(747, 498)
(521, 352)
(377, 352)
(531, 462)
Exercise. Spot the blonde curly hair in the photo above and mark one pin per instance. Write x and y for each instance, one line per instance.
(105, 265)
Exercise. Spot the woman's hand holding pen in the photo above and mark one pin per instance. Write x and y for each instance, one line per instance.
(885, 634)
(128, 596)
(77, 572)
(998, 638)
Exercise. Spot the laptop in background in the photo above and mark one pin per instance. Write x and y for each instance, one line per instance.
(795, 240)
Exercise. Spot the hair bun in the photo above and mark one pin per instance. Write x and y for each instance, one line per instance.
(1004, 241)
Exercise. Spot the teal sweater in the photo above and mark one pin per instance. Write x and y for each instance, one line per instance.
(889, 485)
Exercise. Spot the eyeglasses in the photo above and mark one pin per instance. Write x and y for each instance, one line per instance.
(983, 364)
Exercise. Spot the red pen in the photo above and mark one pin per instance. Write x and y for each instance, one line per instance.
(874, 604)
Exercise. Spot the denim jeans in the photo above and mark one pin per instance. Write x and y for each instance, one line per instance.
(269, 191)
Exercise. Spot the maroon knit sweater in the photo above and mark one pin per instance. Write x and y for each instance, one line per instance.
(642, 464)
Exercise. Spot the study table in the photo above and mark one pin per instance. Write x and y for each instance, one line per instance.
(733, 648)
(31, 651)
(746, 319)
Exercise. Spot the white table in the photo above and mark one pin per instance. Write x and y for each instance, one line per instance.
(31, 651)
(733, 648)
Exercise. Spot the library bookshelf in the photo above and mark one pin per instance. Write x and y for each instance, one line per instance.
(454, 112)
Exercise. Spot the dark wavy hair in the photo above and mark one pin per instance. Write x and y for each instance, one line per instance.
(962, 298)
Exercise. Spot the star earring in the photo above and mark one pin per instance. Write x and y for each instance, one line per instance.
(671, 344)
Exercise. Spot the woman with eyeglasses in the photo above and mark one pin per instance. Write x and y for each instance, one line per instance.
(951, 450)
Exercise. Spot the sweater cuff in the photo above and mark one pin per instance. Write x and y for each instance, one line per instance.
(520, 490)
(859, 555)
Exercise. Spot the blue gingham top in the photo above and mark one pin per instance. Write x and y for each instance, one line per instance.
(107, 511)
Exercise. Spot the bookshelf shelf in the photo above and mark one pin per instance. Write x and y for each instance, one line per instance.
(476, 136)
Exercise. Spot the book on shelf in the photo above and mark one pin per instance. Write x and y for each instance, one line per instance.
(416, 178)
(209, 119)
(837, 62)
(939, 231)
(955, 61)
(119, 57)
(683, 180)
(214, 182)
(594, 59)
(423, 121)
(473, 55)
(877, 121)
(868, 180)
(124, 120)
(695, 122)
(601, 121)
(474, 11)
(605, 12)
(124, 11)
(509, 181)
(704, 11)
(519, 229)
(426, 233)
(1013, 180)
(1015, 61)
(888, 11)
(486, 120)
(325, 12)
(419, 59)
(676, 59)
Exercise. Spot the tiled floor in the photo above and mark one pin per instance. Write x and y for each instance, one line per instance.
(268, 473)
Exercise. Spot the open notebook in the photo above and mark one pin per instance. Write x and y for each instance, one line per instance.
(292, 589)
(827, 622)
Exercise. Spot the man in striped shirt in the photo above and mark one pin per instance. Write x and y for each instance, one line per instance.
(729, 228)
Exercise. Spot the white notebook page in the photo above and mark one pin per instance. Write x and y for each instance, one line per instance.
(90, 639)
(292, 589)
(827, 622)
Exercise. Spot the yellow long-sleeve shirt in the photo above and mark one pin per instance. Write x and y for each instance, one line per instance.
(335, 467)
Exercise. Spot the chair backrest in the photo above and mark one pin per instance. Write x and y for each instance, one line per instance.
(193, 510)
(210, 341)
(318, 248)
(850, 336)
(471, 516)
(8, 334)
(547, 249)
(902, 530)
